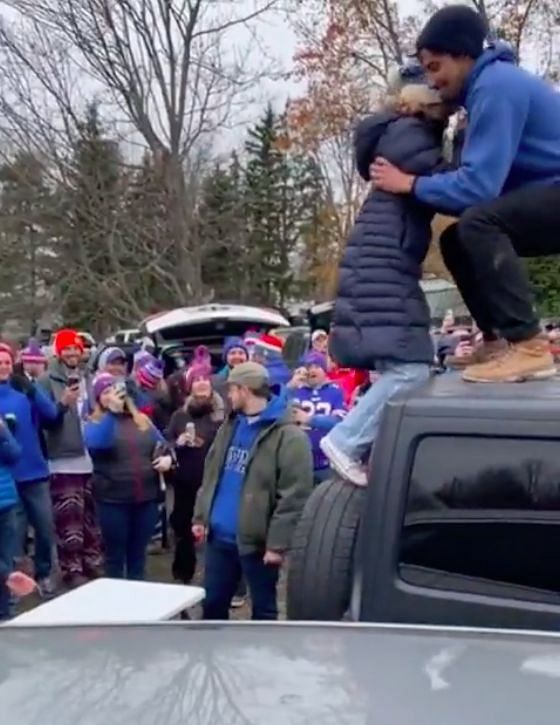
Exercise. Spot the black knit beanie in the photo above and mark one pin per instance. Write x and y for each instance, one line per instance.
(454, 30)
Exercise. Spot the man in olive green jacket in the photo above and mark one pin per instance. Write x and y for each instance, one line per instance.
(257, 477)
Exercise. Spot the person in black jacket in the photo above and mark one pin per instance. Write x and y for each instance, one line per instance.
(381, 319)
(129, 456)
(191, 430)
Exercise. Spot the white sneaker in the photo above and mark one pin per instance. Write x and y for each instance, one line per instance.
(350, 470)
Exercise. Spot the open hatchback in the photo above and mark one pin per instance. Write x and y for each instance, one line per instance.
(178, 332)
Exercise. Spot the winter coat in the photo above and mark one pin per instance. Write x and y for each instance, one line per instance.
(380, 311)
(278, 480)
(29, 410)
(190, 459)
(10, 451)
(122, 456)
(65, 440)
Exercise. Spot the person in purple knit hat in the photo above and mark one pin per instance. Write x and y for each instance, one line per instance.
(33, 360)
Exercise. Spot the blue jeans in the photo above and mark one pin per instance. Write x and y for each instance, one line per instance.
(36, 508)
(223, 570)
(126, 530)
(8, 532)
(356, 434)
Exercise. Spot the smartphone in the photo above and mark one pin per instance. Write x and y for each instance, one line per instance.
(120, 388)
(73, 381)
(10, 420)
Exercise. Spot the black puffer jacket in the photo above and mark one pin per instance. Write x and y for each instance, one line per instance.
(381, 312)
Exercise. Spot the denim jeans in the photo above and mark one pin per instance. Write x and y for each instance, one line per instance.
(126, 530)
(223, 570)
(356, 434)
(36, 508)
(8, 532)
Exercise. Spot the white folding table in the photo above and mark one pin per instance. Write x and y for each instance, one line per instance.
(113, 601)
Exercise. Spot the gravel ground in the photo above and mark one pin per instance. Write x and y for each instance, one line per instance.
(159, 570)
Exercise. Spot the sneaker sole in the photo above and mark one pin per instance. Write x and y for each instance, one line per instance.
(539, 375)
(339, 469)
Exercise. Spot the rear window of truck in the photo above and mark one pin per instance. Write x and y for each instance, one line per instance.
(487, 509)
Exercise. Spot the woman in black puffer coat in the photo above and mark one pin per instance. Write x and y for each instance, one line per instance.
(381, 319)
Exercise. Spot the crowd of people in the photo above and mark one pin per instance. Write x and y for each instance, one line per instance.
(87, 457)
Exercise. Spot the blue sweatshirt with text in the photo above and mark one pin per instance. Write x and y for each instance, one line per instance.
(227, 500)
(512, 138)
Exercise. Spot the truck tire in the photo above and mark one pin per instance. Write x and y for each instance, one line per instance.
(321, 561)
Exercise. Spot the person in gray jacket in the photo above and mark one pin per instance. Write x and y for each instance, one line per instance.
(77, 533)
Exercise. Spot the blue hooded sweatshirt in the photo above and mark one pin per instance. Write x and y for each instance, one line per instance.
(29, 411)
(10, 451)
(512, 138)
(225, 507)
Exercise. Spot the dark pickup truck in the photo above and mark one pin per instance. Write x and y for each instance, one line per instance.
(460, 521)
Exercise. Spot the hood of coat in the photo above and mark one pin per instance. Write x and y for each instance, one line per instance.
(500, 51)
(214, 407)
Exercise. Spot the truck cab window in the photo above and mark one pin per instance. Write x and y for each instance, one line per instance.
(487, 509)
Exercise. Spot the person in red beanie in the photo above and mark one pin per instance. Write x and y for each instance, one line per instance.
(77, 533)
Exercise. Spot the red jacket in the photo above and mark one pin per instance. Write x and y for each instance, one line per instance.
(348, 379)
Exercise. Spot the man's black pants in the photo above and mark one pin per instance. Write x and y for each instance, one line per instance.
(482, 253)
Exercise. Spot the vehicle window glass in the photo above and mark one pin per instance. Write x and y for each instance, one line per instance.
(120, 338)
(485, 508)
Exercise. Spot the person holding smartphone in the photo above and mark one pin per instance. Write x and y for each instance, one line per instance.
(129, 456)
(191, 430)
(77, 533)
(24, 408)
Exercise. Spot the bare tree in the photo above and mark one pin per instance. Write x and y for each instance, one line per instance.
(174, 69)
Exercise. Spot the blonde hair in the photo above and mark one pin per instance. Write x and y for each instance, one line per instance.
(412, 99)
(142, 421)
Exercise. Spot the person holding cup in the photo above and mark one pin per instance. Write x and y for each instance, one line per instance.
(129, 456)
(191, 430)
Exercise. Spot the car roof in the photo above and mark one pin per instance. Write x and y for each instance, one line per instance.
(447, 394)
(204, 673)
(206, 313)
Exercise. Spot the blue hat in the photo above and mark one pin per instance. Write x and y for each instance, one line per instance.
(316, 358)
(235, 343)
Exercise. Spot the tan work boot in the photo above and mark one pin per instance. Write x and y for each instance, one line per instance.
(527, 360)
(484, 352)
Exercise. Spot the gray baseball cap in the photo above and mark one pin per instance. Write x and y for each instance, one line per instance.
(250, 375)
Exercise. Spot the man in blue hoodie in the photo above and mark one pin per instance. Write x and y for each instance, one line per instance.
(257, 477)
(24, 408)
(10, 451)
(506, 189)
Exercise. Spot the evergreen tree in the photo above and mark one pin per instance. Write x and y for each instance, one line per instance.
(92, 249)
(27, 228)
(281, 191)
(544, 273)
(223, 233)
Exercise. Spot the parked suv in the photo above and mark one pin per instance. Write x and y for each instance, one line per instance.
(460, 521)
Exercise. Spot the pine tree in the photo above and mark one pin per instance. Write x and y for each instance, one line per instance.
(544, 273)
(281, 197)
(223, 233)
(92, 249)
(27, 230)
